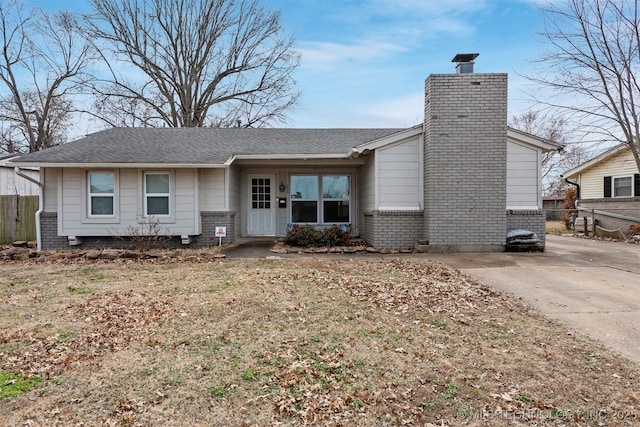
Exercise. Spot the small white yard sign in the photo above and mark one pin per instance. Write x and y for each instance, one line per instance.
(220, 233)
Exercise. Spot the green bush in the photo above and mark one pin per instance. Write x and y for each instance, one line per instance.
(306, 235)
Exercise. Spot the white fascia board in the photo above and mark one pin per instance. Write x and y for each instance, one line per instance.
(532, 140)
(120, 165)
(594, 161)
(523, 208)
(400, 208)
(389, 139)
(287, 157)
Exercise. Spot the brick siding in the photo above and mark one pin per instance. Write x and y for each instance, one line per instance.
(465, 161)
(49, 232)
(393, 229)
(211, 220)
(533, 220)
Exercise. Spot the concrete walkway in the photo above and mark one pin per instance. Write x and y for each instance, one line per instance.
(591, 286)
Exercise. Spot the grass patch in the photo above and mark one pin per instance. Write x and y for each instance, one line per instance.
(556, 227)
(79, 290)
(12, 384)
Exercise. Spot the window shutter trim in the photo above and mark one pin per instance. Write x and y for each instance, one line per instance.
(607, 186)
(636, 185)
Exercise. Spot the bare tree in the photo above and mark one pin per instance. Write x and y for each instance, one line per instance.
(195, 63)
(42, 58)
(554, 163)
(593, 65)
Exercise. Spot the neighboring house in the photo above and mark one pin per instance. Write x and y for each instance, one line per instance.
(14, 185)
(609, 188)
(456, 182)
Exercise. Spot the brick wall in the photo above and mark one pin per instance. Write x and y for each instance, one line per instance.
(465, 161)
(533, 220)
(210, 220)
(393, 229)
(49, 232)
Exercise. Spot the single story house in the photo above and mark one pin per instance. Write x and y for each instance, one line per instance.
(608, 188)
(456, 182)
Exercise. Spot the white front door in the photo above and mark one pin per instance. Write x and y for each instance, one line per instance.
(261, 206)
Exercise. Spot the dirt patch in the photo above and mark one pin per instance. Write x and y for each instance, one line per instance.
(171, 341)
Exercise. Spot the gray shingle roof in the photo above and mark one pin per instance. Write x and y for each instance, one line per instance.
(202, 145)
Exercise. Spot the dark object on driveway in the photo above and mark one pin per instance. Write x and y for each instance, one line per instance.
(523, 241)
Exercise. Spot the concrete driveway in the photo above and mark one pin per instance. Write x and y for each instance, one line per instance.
(591, 286)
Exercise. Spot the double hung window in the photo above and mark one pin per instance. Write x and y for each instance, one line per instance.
(157, 193)
(101, 196)
(623, 186)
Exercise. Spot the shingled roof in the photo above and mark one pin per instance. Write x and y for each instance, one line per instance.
(202, 145)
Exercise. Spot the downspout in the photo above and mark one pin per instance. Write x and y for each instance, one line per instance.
(17, 171)
(577, 190)
(577, 202)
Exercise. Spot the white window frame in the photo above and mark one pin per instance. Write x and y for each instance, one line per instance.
(300, 199)
(146, 195)
(89, 197)
(613, 186)
(320, 199)
(329, 199)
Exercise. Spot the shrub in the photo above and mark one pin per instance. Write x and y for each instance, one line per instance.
(149, 235)
(569, 206)
(634, 229)
(336, 236)
(307, 235)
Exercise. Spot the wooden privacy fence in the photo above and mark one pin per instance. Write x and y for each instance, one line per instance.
(17, 218)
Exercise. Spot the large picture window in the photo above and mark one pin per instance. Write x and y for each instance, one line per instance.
(157, 193)
(101, 197)
(320, 199)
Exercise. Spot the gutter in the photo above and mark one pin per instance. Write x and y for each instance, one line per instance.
(17, 171)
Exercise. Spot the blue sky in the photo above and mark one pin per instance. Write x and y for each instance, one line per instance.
(364, 62)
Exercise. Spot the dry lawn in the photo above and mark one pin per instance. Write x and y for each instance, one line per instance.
(556, 227)
(317, 341)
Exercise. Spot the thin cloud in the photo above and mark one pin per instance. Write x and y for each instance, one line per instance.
(404, 111)
(319, 54)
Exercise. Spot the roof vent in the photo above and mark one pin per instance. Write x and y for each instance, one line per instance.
(465, 62)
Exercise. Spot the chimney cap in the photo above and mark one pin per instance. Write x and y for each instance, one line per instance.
(465, 57)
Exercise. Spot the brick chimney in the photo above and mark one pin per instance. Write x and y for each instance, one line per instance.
(465, 160)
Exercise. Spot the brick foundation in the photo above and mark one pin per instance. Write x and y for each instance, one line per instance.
(49, 232)
(393, 229)
(533, 220)
(210, 220)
